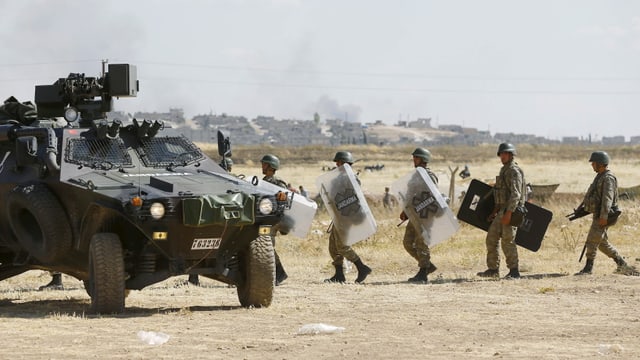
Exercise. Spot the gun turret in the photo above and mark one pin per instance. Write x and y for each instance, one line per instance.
(86, 98)
(577, 213)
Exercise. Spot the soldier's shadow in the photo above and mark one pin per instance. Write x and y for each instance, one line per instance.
(438, 280)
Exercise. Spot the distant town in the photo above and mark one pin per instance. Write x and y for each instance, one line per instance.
(331, 132)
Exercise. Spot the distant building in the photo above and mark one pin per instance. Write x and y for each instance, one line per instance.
(174, 116)
(613, 140)
(421, 123)
(574, 140)
(452, 128)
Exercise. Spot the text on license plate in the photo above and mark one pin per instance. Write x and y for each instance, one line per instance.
(206, 244)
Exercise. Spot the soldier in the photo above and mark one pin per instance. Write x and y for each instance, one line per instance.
(270, 164)
(55, 283)
(227, 164)
(413, 241)
(338, 250)
(387, 199)
(508, 192)
(600, 198)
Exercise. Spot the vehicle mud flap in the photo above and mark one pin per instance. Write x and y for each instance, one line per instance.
(106, 274)
(259, 269)
(39, 222)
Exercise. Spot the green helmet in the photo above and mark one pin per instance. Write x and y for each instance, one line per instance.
(599, 157)
(343, 156)
(227, 163)
(506, 147)
(272, 160)
(422, 153)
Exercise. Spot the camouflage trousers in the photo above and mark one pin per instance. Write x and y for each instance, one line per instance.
(597, 239)
(339, 250)
(416, 247)
(504, 234)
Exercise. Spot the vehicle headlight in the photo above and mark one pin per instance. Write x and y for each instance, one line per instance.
(265, 206)
(157, 210)
(71, 114)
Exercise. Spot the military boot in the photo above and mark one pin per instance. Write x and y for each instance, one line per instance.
(338, 277)
(431, 268)
(489, 273)
(588, 268)
(54, 284)
(421, 276)
(194, 279)
(363, 271)
(624, 268)
(513, 274)
(281, 275)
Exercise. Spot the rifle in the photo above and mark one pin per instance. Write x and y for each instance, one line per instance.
(583, 250)
(577, 213)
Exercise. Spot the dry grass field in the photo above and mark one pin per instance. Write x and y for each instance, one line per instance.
(548, 314)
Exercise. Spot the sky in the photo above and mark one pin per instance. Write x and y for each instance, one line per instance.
(552, 68)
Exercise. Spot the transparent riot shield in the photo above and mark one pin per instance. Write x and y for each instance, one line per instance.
(425, 207)
(345, 202)
(297, 220)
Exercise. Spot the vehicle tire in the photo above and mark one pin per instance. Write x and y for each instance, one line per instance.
(39, 222)
(87, 288)
(106, 274)
(259, 272)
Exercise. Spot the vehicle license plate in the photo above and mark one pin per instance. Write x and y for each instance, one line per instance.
(206, 244)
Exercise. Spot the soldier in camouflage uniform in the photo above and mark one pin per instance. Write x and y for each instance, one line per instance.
(509, 192)
(601, 196)
(413, 241)
(337, 248)
(227, 164)
(270, 164)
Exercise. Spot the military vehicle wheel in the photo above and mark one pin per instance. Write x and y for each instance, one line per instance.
(87, 288)
(259, 270)
(39, 222)
(106, 274)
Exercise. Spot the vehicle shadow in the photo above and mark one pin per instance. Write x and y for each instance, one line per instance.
(18, 308)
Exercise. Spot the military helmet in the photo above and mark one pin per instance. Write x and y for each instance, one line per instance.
(422, 153)
(228, 163)
(272, 160)
(599, 157)
(506, 147)
(343, 156)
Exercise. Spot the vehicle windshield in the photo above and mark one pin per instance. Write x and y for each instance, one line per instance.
(168, 152)
(95, 152)
(160, 152)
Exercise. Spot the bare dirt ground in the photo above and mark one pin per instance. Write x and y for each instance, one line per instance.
(548, 314)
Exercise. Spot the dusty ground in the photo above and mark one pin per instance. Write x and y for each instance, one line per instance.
(548, 314)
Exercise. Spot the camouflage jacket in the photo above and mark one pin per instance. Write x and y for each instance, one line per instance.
(432, 175)
(602, 194)
(275, 180)
(509, 191)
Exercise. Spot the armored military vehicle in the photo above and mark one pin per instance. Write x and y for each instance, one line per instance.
(123, 206)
